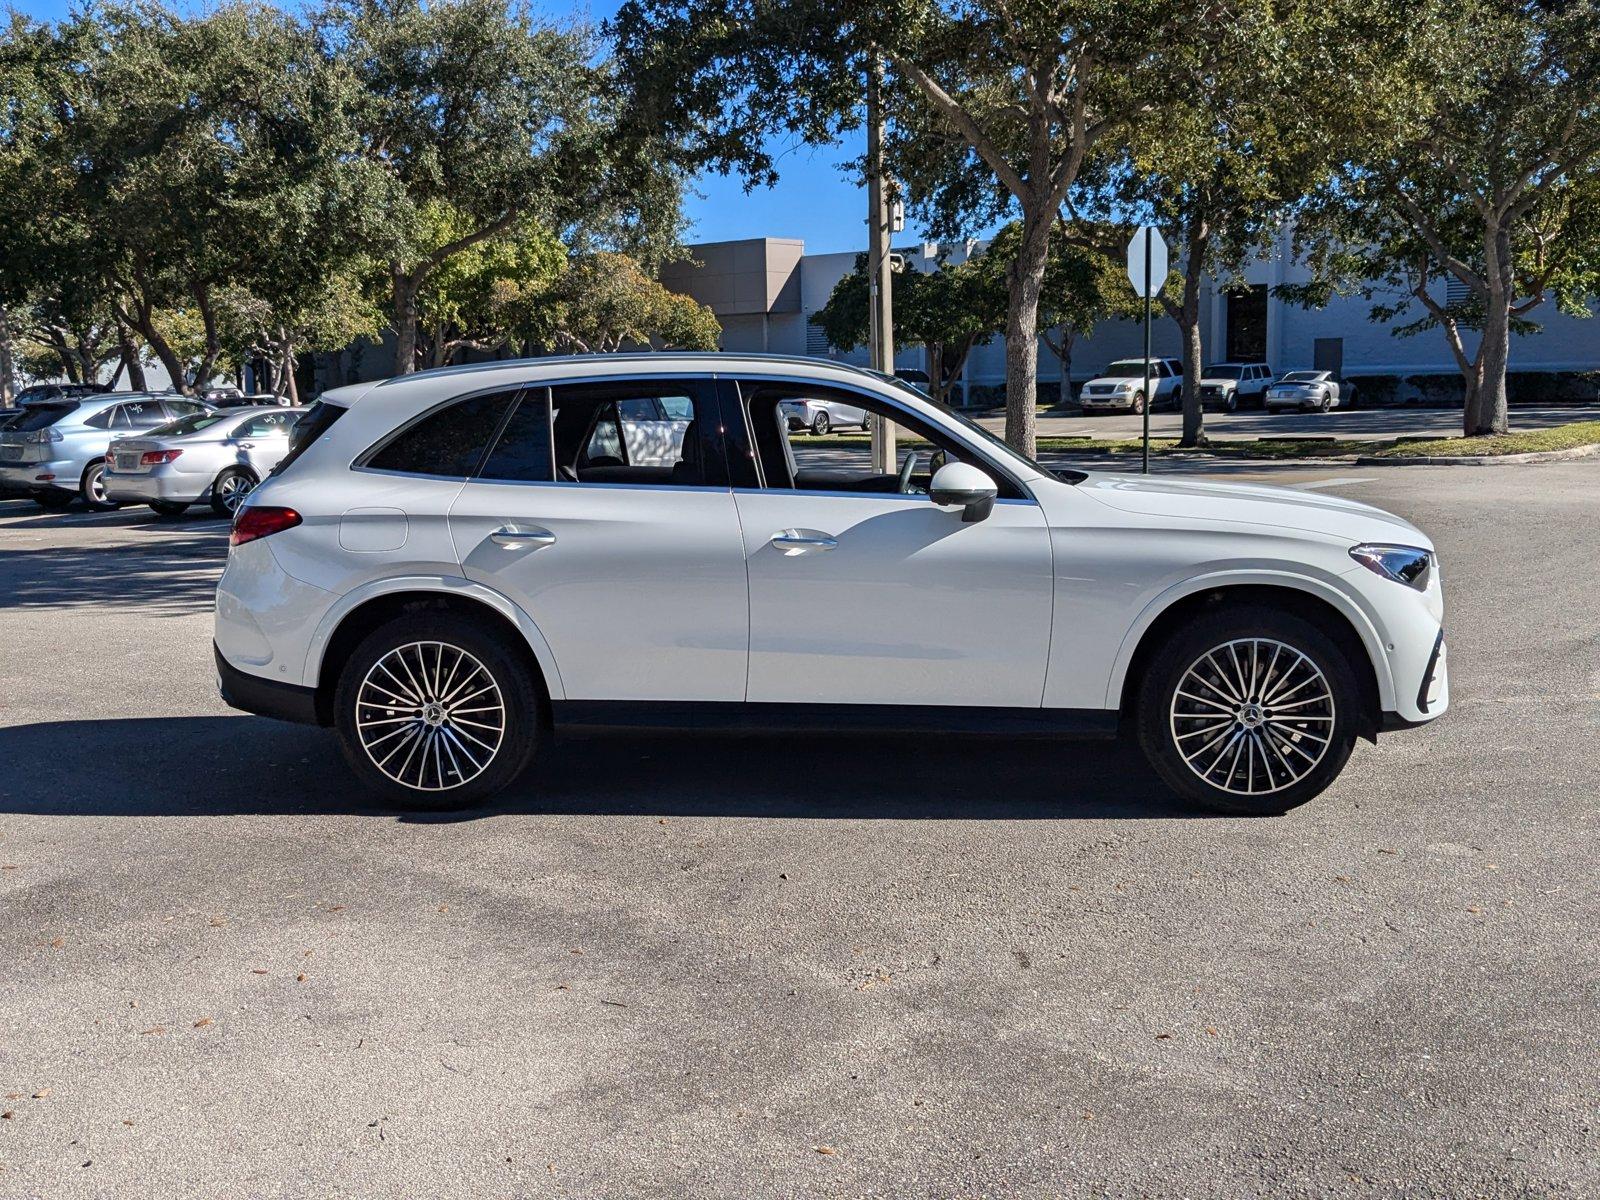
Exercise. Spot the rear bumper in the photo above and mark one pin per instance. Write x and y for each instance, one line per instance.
(145, 487)
(264, 697)
(24, 477)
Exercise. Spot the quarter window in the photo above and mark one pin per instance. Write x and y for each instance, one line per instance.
(448, 442)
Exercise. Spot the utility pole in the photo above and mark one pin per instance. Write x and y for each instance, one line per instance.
(880, 269)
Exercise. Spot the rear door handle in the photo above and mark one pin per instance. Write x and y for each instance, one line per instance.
(794, 539)
(510, 535)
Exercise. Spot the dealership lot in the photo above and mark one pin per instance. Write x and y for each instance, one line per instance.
(666, 967)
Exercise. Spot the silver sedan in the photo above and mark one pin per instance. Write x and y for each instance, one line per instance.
(215, 456)
(1320, 390)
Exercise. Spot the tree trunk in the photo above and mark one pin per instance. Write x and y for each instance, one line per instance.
(168, 357)
(8, 362)
(291, 384)
(1064, 356)
(405, 322)
(130, 358)
(1197, 241)
(1026, 279)
(1486, 410)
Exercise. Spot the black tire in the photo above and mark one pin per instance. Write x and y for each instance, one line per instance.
(1289, 736)
(517, 694)
(54, 501)
(820, 424)
(230, 489)
(92, 489)
(169, 508)
(1138, 403)
(1231, 404)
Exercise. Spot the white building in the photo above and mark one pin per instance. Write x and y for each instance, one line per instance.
(764, 291)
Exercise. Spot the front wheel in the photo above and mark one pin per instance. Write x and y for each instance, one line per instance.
(1138, 403)
(820, 424)
(1250, 711)
(433, 712)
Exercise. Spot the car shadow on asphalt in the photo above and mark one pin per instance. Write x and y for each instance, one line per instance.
(218, 766)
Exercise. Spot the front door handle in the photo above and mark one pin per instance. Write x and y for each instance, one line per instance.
(799, 541)
(510, 535)
(247, 445)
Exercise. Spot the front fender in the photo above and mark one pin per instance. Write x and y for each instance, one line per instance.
(1348, 604)
(443, 585)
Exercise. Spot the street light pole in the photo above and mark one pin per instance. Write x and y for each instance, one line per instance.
(880, 269)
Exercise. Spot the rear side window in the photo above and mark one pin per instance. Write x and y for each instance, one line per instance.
(318, 419)
(524, 453)
(139, 414)
(449, 441)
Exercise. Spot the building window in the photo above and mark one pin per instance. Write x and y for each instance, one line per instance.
(817, 345)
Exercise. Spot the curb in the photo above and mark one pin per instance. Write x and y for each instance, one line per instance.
(1482, 460)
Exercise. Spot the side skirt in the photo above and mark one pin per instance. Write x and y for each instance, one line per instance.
(739, 717)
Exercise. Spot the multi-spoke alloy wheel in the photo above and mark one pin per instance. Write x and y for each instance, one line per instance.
(1250, 708)
(230, 491)
(437, 710)
(1252, 716)
(430, 716)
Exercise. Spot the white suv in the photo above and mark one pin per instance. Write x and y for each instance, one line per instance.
(1121, 385)
(448, 567)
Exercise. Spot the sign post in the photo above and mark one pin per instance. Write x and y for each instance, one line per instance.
(1147, 271)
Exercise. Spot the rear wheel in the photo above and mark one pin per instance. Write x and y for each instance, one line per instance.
(1251, 711)
(230, 490)
(93, 488)
(435, 713)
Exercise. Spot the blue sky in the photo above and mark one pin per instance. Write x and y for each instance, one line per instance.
(814, 199)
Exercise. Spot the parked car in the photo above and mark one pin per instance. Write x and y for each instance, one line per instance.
(38, 392)
(56, 451)
(821, 414)
(1230, 386)
(217, 456)
(1319, 390)
(1121, 385)
(439, 570)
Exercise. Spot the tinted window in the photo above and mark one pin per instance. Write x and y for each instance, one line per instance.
(183, 408)
(193, 423)
(1302, 377)
(523, 453)
(316, 421)
(1224, 372)
(139, 414)
(635, 433)
(449, 441)
(42, 416)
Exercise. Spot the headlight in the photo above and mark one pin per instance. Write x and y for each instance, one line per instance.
(1403, 564)
(1124, 387)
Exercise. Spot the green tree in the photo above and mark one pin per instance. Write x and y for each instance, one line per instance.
(1485, 173)
(472, 105)
(605, 300)
(996, 107)
(947, 310)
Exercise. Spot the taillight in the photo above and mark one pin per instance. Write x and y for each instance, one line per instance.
(154, 458)
(254, 522)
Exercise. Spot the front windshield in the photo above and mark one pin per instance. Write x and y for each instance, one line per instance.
(193, 423)
(1222, 371)
(1129, 366)
(1302, 377)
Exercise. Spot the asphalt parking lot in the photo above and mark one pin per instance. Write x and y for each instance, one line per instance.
(808, 967)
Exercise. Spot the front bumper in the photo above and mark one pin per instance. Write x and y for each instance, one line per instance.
(1123, 401)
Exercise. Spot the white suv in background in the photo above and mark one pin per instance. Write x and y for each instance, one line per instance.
(1229, 386)
(1121, 385)
(447, 567)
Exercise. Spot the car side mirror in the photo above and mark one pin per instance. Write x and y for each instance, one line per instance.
(959, 485)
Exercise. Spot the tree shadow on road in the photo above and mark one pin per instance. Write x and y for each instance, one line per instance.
(218, 766)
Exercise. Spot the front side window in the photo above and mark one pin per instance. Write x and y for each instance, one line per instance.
(450, 441)
(183, 408)
(777, 426)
